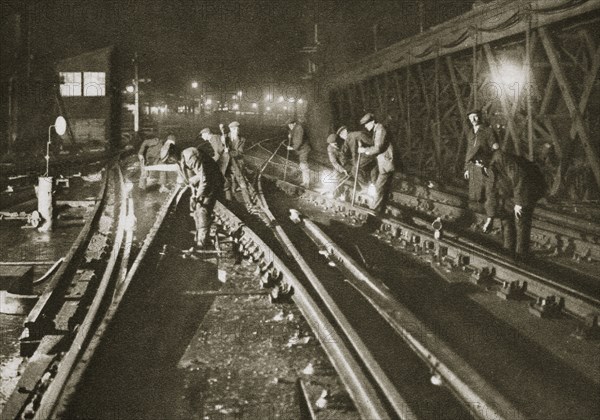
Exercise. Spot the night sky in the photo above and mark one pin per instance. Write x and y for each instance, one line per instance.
(227, 41)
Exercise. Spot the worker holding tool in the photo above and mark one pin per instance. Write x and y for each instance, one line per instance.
(338, 157)
(203, 175)
(298, 143)
(336, 154)
(384, 151)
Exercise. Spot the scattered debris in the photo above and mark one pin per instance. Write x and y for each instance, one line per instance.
(309, 369)
(278, 316)
(296, 340)
(322, 401)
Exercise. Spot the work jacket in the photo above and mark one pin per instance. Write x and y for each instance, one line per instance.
(150, 150)
(298, 140)
(337, 156)
(383, 149)
(202, 173)
(512, 180)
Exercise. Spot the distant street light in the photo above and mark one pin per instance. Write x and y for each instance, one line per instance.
(194, 85)
(254, 105)
(130, 89)
(300, 100)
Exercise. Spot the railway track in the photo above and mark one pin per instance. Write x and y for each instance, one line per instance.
(403, 345)
(556, 290)
(479, 266)
(564, 242)
(62, 321)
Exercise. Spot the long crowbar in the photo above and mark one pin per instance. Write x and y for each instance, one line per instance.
(287, 158)
(262, 168)
(356, 174)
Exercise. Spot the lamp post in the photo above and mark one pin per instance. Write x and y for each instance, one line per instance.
(45, 184)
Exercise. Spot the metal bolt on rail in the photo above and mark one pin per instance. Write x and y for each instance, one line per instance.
(512, 290)
(546, 307)
(483, 275)
(588, 329)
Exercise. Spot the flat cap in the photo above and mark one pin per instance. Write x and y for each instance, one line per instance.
(339, 130)
(290, 121)
(234, 124)
(205, 130)
(474, 111)
(366, 118)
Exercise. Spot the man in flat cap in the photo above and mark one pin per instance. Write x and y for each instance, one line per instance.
(220, 154)
(383, 150)
(482, 138)
(337, 157)
(233, 146)
(513, 187)
(301, 146)
(202, 173)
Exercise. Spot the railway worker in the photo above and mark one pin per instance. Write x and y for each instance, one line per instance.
(513, 186)
(337, 157)
(164, 158)
(383, 149)
(220, 154)
(481, 137)
(299, 144)
(202, 173)
(211, 144)
(367, 170)
(149, 154)
(237, 144)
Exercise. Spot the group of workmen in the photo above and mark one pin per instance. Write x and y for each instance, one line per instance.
(503, 185)
(506, 186)
(208, 168)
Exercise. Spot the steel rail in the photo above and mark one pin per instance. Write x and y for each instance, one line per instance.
(84, 332)
(40, 320)
(466, 383)
(122, 286)
(576, 303)
(395, 399)
(364, 395)
(545, 224)
(37, 320)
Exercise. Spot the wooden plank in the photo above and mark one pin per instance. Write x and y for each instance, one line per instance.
(561, 78)
(36, 367)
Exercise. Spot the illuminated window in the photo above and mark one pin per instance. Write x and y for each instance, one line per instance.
(70, 84)
(94, 83)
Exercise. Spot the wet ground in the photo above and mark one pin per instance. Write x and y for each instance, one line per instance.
(19, 243)
(186, 345)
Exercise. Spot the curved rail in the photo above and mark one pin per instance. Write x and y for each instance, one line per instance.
(468, 386)
(121, 287)
(65, 368)
(47, 371)
(363, 394)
